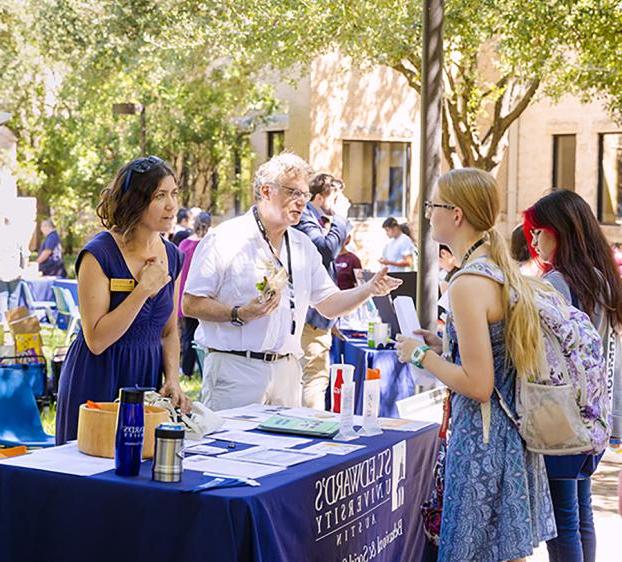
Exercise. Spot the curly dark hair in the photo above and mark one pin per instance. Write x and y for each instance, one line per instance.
(323, 184)
(123, 202)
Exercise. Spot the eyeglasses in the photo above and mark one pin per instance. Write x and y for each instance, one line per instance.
(429, 206)
(140, 166)
(296, 193)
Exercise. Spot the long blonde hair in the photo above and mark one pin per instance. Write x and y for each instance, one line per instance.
(475, 192)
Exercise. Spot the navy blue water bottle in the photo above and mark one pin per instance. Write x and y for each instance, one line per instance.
(130, 432)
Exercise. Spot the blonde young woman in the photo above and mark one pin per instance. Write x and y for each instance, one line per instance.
(496, 502)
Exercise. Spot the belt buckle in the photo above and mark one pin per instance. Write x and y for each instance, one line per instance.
(269, 357)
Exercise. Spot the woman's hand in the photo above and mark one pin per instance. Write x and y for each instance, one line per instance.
(153, 276)
(431, 339)
(382, 284)
(405, 347)
(177, 396)
(259, 307)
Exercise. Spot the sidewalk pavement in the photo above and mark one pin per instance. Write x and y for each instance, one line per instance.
(607, 521)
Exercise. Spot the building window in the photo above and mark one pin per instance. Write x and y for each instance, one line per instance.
(564, 157)
(610, 178)
(377, 178)
(276, 142)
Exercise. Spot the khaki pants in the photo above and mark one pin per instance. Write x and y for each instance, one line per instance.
(231, 381)
(316, 344)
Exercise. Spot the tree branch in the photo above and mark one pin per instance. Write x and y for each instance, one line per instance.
(500, 124)
(412, 75)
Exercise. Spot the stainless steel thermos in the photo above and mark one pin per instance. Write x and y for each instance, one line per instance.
(168, 456)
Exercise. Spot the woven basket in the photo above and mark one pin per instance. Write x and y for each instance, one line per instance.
(97, 428)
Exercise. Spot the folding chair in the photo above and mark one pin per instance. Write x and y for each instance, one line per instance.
(68, 316)
(42, 309)
(20, 422)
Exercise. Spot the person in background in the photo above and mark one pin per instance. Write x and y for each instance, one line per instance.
(448, 265)
(202, 223)
(405, 228)
(324, 222)
(567, 240)
(50, 258)
(250, 285)
(400, 252)
(345, 264)
(519, 248)
(194, 213)
(10, 267)
(182, 229)
(496, 502)
(127, 287)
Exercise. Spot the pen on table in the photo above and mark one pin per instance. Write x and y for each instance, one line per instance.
(230, 444)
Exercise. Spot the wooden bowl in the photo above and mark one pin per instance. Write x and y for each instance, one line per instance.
(97, 429)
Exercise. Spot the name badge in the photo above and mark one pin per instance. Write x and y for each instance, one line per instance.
(122, 285)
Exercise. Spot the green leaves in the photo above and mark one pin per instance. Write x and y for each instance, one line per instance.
(66, 62)
(498, 53)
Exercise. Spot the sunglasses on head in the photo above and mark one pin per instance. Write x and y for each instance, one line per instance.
(140, 166)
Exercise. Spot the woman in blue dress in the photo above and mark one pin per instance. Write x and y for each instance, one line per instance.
(127, 289)
(496, 501)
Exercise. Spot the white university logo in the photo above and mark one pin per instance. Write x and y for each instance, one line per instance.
(398, 475)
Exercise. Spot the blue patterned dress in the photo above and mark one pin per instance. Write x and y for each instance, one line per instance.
(496, 503)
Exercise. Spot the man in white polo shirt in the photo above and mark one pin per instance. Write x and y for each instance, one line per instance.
(254, 341)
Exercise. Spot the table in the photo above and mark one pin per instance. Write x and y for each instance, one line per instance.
(336, 508)
(398, 380)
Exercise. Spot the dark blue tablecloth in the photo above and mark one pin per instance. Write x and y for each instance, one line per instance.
(362, 506)
(397, 379)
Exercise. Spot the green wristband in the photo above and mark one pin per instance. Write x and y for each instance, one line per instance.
(418, 354)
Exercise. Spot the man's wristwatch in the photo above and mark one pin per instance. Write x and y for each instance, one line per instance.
(235, 317)
(418, 354)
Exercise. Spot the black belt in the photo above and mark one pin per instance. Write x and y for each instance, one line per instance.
(268, 357)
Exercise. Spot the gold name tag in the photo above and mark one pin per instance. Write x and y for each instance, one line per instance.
(122, 285)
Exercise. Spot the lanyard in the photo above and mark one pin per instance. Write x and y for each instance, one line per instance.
(289, 270)
(471, 250)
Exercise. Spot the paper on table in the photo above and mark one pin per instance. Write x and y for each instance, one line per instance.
(276, 457)
(310, 413)
(238, 425)
(65, 459)
(203, 449)
(332, 448)
(409, 322)
(264, 439)
(218, 466)
(252, 413)
(398, 424)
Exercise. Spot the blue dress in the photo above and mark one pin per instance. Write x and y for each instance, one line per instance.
(496, 502)
(134, 359)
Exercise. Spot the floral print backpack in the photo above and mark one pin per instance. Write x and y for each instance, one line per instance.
(564, 407)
